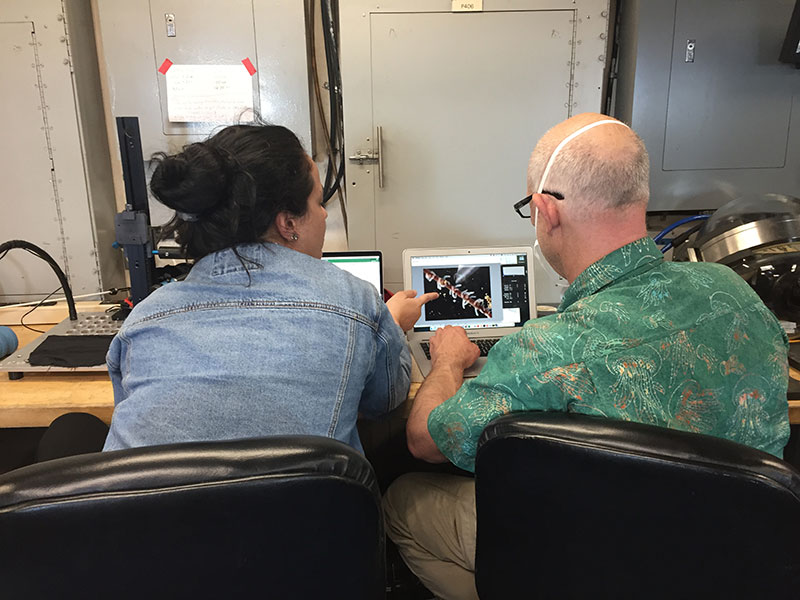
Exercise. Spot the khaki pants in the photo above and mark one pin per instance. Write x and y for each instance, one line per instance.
(431, 519)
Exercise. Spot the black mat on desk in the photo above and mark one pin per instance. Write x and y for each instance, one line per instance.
(71, 351)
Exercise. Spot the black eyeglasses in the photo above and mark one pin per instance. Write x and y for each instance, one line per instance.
(525, 202)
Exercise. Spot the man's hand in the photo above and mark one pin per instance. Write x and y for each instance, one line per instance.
(405, 307)
(451, 347)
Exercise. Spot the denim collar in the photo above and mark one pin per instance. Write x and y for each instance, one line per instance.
(256, 256)
(631, 259)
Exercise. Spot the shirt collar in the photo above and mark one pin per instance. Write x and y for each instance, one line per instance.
(636, 256)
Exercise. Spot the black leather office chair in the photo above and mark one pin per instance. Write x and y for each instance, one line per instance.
(282, 517)
(571, 506)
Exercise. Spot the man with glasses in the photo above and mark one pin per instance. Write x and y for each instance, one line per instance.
(688, 346)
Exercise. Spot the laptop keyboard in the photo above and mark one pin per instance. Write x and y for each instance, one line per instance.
(484, 344)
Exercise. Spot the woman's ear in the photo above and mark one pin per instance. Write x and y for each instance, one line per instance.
(286, 226)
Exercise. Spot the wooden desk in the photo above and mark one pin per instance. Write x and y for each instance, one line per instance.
(38, 398)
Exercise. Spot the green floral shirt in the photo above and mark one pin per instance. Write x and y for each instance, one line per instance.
(682, 345)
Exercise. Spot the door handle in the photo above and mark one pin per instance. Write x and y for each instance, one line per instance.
(380, 156)
(371, 156)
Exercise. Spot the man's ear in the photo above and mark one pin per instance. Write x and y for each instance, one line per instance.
(286, 225)
(547, 206)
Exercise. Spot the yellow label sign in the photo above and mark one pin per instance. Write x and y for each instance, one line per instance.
(467, 5)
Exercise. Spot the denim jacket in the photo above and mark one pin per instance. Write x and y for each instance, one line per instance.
(297, 346)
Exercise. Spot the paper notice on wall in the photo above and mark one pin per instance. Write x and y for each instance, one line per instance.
(209, 94)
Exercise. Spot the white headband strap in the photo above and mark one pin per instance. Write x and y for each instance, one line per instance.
(566, 140)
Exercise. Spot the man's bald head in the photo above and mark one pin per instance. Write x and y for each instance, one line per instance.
(602, 169)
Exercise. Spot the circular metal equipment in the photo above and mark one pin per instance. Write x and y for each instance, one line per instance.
(758, 236)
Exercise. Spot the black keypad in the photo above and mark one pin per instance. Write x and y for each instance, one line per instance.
(484, 344)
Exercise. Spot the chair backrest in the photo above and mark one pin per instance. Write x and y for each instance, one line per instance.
(280, 517)
(572, 506)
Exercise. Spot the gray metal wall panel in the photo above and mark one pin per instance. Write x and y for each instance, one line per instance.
(646, 58)
(65, 203)
(734, 90)
(27, 204)
(283, 77)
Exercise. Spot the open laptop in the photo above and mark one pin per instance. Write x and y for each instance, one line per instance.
(364, 265)
(487, 291)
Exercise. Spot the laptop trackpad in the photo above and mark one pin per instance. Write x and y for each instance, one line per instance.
(475, 368)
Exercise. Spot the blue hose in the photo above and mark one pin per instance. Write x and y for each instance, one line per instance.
(669, 228)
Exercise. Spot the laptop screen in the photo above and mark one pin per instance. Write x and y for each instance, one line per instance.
(364, 265)
(475, 290)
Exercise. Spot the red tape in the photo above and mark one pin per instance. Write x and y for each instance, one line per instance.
(249, 66)
(165, 66)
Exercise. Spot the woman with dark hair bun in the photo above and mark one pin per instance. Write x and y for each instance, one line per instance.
(261, 337)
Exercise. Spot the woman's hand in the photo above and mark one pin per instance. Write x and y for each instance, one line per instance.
(405, 307)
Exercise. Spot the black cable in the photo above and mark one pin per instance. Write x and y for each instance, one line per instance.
(329, 21)
(62, 279)
(42, 301)
(336, 184)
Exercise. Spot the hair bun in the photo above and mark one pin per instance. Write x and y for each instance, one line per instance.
(194, 181)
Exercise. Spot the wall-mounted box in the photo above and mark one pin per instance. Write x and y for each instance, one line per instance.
(702, 84)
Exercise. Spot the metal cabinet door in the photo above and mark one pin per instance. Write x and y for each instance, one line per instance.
(461, 100)
(29, 210)
(726, 81)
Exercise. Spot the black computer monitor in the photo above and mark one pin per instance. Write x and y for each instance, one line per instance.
(790, 53)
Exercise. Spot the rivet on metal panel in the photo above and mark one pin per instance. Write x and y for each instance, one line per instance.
(601, 58)
(575, 84)
(59, 17)
(66, 61)
(604, 14)
(579, 42)
(62, 39)
(326, 85)
(602, 36)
